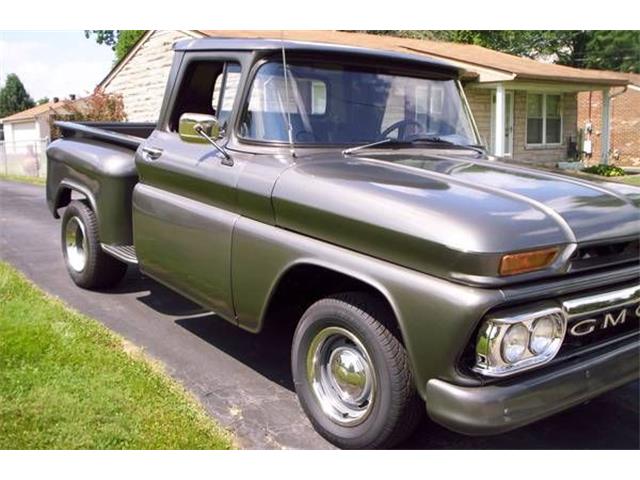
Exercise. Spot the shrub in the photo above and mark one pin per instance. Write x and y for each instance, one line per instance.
(97, 107)
(605, 170)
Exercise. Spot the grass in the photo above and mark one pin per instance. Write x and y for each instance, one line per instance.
(66, 382)
(24, 179)
(631, 179)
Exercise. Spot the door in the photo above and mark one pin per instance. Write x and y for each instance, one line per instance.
(508, 123)
(184, 207)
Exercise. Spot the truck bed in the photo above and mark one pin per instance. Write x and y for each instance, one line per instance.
(126, 134)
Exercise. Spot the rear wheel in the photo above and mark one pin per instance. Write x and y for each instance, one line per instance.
(352, 373)
(87, 264)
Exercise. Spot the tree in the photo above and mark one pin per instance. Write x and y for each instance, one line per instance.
(43, 100)
(121, 41)
(14, 97)
(606, 49)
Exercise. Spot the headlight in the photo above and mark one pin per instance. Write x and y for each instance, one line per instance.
(542, 335)
(511, 343)
(514, 343)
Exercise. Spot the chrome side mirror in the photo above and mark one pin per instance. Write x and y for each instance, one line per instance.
(202, 128)
(192, 126)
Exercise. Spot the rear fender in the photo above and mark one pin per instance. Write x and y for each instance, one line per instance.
(63, 196)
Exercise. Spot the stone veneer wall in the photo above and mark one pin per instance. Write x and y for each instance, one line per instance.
(555, 154)
(480, 103)
(143, 79)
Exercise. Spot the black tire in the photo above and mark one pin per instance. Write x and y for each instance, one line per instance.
(395, 407)
(98, 270)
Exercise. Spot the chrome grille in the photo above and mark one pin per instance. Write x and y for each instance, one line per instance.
(587, 257)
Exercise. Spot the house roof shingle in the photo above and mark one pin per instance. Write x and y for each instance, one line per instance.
(473, 55)
(57, 107)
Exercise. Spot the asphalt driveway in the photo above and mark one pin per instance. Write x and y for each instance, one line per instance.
(243, 380)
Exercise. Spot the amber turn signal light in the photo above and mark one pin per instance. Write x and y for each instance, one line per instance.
(527, 261)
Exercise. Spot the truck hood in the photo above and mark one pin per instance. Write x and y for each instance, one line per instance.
(449, 214)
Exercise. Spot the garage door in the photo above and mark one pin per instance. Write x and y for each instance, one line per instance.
(24, 136)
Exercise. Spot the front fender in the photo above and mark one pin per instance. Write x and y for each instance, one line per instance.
(436, 317)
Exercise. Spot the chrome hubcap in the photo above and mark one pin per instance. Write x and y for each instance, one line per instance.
(75, 244)
(341, 375)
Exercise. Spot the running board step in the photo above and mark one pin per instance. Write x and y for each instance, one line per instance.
(126, 253)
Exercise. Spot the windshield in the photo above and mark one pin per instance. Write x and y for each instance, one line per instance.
(348, 105)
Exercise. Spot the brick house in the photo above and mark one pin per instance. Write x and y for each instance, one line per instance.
(525, 110)
(625, 123)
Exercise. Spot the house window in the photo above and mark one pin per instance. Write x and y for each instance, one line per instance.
(544, 119)
(318, 97)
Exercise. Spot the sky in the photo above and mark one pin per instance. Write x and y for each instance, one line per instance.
(54, 63)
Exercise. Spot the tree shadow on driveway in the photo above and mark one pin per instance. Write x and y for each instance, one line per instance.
(267, 353)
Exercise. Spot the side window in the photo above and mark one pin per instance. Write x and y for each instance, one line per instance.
(207, 87)
(225, 90)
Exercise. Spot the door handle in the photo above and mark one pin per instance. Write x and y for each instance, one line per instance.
(150, 153)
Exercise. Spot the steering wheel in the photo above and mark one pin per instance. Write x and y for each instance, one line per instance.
(401, 126)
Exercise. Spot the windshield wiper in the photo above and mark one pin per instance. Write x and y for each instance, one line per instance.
(426, 139)
(351, 150)
(434, 139)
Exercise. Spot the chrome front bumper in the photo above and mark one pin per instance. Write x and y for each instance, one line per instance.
(577, 316)
(496, 408)
(524, 398)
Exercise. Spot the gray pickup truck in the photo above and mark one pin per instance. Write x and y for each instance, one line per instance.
(345, 190)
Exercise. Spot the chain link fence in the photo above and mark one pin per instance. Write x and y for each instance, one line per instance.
(24, 158)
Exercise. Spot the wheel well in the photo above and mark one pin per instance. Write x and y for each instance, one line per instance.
(302, 285)
(63, 197)
(66, 194)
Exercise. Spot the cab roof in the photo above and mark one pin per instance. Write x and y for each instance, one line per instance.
(259, 44)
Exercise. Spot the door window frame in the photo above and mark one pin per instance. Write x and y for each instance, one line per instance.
(177, 78)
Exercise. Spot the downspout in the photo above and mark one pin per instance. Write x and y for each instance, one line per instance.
(609, 116)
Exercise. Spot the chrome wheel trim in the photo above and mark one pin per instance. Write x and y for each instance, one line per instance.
(75, 244)
(341, 375)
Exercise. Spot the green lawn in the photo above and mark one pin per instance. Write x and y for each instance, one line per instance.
(24, 179)
(66, 382)
(631, 179)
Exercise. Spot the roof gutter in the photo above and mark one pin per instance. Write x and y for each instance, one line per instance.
(624, 90)
(611, 82)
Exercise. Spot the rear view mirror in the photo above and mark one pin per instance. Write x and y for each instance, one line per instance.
(192, 126)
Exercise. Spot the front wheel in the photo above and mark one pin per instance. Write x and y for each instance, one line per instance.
(352, 373)
(88, 266)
